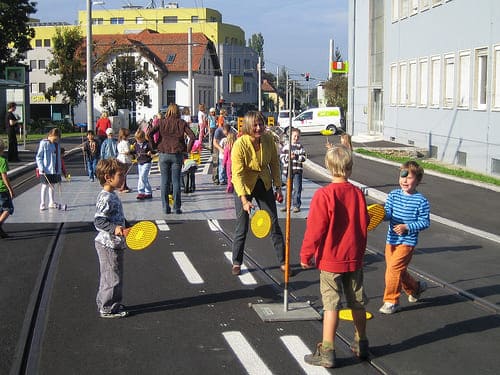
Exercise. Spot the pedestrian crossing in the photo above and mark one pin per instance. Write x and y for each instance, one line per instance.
(203, 167)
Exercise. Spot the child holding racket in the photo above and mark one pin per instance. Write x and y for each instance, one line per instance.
(109, 221)
(6, 192)
(408, 213)
(335, 241)
(48, 161)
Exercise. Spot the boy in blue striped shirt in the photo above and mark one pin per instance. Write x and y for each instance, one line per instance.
(408, 213)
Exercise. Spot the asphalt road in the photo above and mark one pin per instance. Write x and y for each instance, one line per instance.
(183, 327)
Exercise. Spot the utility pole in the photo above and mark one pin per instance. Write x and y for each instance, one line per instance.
(190, 71)
(90, 94)
(259, 72)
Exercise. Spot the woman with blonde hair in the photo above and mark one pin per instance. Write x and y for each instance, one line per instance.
(172, 146)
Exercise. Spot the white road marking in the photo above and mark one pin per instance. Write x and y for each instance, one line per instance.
(187, 267)
(245, 353)
(298, 349)
(245, 276)
(162, 225)
(214, 225)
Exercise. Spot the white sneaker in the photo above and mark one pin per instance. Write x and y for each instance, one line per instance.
(422, 287)
(53, 205)
(389, 308)
(43, 207)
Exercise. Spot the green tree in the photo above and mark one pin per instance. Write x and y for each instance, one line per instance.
(67, 58)
(14, 30)
(122, 84)
(256, 42)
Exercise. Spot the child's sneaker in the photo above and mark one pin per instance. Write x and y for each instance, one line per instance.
(148, 196)
(43, 207)
(321, 357)
(389, 308)
(140, 197)
(53, 206)
(119, 313)
(296, 209)
(360, 348)
(422, 287)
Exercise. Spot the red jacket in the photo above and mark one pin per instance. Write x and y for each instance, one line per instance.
(336, 229)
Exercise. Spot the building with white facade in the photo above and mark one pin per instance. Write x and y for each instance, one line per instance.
(427, 73)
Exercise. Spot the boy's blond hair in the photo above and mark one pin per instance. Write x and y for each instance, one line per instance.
(108, 167)
(338, 160)
(414, 168)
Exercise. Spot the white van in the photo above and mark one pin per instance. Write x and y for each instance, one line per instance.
(315, 119)
(284, 118)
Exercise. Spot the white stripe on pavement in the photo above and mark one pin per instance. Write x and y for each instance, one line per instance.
(214, 225)
(298, 349)
(162, 225)
(245, 353)
(245, 276)
(187, 268)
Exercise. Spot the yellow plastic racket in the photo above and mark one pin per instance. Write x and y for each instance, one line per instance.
(326, 132)
(346, 314)
(377, 214)
(141, 235)
(260, 223)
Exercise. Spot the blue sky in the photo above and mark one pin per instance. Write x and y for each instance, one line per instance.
(296, 32)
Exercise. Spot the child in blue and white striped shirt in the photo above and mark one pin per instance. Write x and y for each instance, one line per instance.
(408, 212)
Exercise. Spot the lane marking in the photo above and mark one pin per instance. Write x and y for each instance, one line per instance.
(245, 353)
(187, 267)
(245, 277)
(214, 225)
(298, 349)
(162, 225)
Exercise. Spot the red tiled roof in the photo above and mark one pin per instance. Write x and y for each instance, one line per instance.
(267, 87)
(157, 47)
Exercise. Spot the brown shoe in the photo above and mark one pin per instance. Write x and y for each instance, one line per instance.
(236, 270)
(321, 357)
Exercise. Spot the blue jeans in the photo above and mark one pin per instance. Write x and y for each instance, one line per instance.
(297, 190)
(91, 167)
(170, 168)
(143, 186)
(266, 201)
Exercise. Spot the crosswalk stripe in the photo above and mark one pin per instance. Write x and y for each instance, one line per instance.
(245, 277)
(162, 225)
(298, 349)
(213, 224)
(187, 268)
(245, 353)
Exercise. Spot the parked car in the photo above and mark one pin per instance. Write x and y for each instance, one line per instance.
(314, 120)
(284, 117)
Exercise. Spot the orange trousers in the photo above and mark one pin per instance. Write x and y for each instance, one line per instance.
(397, 258)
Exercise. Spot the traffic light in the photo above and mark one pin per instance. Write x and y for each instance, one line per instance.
(307, 76)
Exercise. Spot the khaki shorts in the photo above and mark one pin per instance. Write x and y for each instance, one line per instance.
(351, 283)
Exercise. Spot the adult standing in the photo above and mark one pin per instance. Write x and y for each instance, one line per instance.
(255, 168)
(101, 126)
(11, 125)
(172, 146)
(202, 122)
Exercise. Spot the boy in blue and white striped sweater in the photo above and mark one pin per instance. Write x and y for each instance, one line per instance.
(408, 213)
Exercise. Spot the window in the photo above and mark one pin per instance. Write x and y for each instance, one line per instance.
(33, 64)
(147, 101)
(395, 10)
(38, 42)
(403, 79)
(195, 19)
(412, 83)
(41, 64)
(480, 78)
(463, 80)
(42, 87)
(449, 81)
(46, 42)
(423, 89)
(405, 8)
(34, 88)
(435, 84)
(394, 85)
(413, 7)
(117, 20)
(170, 19)
(139, 20)
(145, 66)
(424, 4)
(170, 58)
(495, 102)
(97, 21)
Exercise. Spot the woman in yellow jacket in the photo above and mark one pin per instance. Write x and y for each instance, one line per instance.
(255, 169)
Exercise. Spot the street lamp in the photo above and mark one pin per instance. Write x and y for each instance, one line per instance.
(90, 93)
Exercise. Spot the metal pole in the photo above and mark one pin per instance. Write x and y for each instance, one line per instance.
(259, 70)
(90, 94)
(190, 70)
